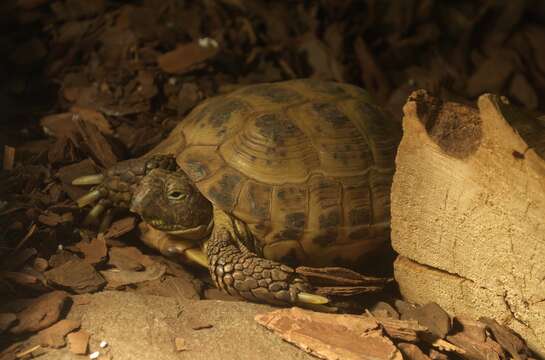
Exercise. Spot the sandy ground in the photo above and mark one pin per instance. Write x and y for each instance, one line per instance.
(140, 326)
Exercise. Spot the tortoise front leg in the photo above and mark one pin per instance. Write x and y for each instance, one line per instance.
(243, 274)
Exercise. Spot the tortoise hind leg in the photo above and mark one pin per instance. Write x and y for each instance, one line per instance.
(243, 274)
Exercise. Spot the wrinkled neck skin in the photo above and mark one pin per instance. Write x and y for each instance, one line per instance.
(169, 201)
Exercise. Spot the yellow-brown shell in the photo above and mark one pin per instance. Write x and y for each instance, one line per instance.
(306, 164)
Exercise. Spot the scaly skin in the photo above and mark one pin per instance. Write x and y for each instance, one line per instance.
(121, 179)
(241, 273)
(143, 186)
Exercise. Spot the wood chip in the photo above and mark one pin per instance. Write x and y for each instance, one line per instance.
(180, 344)
(331, 336)
(412, 352)
(41, 313)
(54, 336)
(119, 278)
(76, 275)
(95, 143)
(9, 157)
(78, 342)
(120, 227)
(185, 58)
(6, 320)
(94, 252)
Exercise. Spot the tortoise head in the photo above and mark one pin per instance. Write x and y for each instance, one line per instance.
(170, 202)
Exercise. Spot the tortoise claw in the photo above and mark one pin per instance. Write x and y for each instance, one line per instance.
(94, 214)
(89, 198)
(88, 180)
(308, 298)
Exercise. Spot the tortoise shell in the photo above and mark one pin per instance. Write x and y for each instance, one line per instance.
(306, 164)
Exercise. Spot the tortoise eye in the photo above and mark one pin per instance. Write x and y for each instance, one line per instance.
(176, 195)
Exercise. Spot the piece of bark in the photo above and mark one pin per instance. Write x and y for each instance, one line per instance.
(61, 257)
(338, 276)
(186, 57)
(95, 143)
(40, 264)
(472, 328)
(331, 336)
(478, 187)
(433, 317)
(9, 157)
(437, 355)
(78, 342)
(120, 227)
(125, 258)
(19, 258)
(119, 278)
(382, 307)
(412, 352)
(54, 336)
(477, 350)
(94, 117)
(41, 313)
(6, 321)
(95, 251)
(54, 219)
(507, 338)
(402, 330)
(68, 173)
(180, 344)
(76, 275)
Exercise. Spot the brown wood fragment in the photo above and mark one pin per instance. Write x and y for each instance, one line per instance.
(68, 173)
(95, 143)
(401, 330)
(54, 336)
(185, 58)
(432, 316)
(412, 352)
(6, 321)
(79, 342)
(76, 275)
(180, 344)
(120, 227)
(508, 339)
(95, 251)
(9, 157)
(331, 336)
(477, 350)
(119, 278)
(383, 309)
(41, 313)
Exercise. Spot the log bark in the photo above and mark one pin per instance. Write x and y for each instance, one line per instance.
(468, 211)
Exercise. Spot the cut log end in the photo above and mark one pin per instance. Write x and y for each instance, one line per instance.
(468, 199)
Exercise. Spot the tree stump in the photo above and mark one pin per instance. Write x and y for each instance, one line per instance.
(468, 211)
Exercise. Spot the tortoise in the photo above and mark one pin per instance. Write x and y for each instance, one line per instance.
(268, 177)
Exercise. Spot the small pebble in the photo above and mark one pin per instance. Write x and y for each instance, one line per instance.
(208, 42)
(103, 344)
(94, 355)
